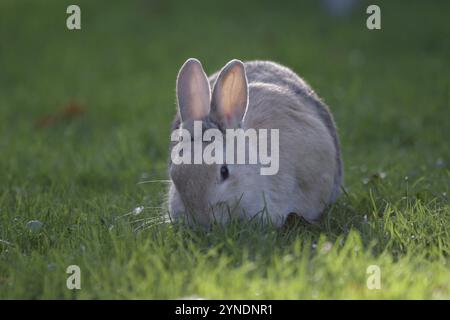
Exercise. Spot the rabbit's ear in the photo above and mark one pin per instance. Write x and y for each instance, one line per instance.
(193, 91)
(230, 95)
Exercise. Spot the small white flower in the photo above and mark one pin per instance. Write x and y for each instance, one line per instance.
(327, 246)
(34, 225)
(138, 210)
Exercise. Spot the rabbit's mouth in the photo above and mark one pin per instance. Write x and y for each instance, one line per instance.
(219, 213)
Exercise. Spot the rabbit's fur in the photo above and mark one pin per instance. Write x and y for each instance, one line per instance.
(272, 97)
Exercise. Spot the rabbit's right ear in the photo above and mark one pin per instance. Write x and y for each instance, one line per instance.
(230, 95)
(193, 91)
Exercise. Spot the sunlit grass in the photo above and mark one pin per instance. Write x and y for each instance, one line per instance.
(89, 188)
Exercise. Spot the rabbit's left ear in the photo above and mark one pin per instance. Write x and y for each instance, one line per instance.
(193, 91)
(230, 95)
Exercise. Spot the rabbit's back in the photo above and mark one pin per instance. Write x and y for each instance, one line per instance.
(260, 73)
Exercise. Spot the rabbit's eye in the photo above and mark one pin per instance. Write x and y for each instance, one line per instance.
(224, 172)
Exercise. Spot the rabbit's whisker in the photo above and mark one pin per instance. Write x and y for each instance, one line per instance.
(153, 181)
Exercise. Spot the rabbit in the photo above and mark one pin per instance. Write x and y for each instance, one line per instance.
(255, 94)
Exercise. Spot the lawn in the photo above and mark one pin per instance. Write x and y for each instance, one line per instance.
(85, 121)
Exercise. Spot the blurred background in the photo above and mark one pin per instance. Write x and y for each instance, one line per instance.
(85, 120)
(90, 109)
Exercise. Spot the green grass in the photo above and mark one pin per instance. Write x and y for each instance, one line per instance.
(389, 91)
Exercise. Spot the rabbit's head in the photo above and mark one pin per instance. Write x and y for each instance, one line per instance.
(207, 192)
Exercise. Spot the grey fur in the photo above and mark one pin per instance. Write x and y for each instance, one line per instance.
(274, 73)
(266, 79)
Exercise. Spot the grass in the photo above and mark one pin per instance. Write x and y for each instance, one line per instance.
(78, 172)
